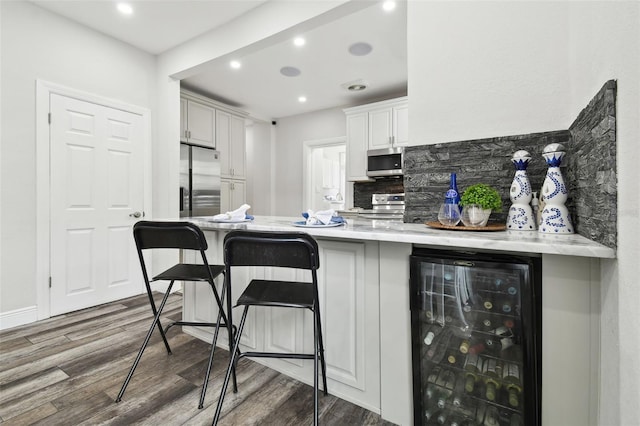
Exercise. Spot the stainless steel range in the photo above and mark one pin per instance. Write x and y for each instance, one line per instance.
(385, 207)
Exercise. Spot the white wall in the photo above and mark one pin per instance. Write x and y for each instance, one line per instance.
(604, 43)
(482, 69)
(259, 188)
(291, 132)
(36, 44)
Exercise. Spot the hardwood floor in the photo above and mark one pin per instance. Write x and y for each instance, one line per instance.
(67, 370)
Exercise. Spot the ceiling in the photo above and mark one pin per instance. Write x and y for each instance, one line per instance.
(155, 25)
(258, 87)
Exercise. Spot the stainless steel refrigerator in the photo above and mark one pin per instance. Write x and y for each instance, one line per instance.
(199, 181)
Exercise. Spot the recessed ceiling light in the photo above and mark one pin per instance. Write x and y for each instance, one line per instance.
(360, 49)
(355, 86)
(299, 41)
(389, 5)
(235, 64)
(290, 71)
(302, 99)
(125, 8)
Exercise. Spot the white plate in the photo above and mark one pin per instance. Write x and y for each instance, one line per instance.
(230, 220)
(303, 224)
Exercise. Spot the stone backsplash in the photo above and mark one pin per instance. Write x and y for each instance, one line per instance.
(362, 191)
(589, 169)
(428, 170)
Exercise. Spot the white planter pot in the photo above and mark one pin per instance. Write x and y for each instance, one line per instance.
(475, 216)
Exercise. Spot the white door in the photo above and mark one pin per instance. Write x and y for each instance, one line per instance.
(96, 190)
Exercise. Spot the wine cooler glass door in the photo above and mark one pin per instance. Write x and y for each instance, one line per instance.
(474, 329)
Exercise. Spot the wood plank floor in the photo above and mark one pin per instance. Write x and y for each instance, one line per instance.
(67, 370)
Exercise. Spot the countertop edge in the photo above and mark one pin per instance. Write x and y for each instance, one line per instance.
(421, 234)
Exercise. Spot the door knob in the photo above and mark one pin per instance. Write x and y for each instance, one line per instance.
(135, 214)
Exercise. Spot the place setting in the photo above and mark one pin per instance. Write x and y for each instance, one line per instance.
(321, 219)
(238, 215)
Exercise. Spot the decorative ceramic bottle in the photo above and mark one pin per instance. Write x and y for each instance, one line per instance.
(521, 217)
(554, 218)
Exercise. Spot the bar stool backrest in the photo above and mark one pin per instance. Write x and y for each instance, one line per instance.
(172, 235)
(262, 248)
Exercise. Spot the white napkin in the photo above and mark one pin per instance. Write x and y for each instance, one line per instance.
(322, 217)
(238, 214)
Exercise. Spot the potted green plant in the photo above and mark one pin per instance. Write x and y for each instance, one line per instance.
(478, 201)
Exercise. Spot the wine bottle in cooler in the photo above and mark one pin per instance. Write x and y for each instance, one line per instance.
(512, 382)
(472, 370)
(446, 381)
(492, 375)
(491, 416)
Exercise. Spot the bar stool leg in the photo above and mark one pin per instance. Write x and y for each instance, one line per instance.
(156, 321)
(315, 371)
(231, 367)
(155, 313)
(323, 364)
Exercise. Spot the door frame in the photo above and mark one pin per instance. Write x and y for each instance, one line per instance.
(307, 149)
(44, 90)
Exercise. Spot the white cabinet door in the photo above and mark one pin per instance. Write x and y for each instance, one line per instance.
(357, 137)
(349, 301)
(401, 125)
(380, 128)
(230, 134)
(201, 124)
(233, 194)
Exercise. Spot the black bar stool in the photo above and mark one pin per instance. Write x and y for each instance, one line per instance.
(181, 236)
(274, 249)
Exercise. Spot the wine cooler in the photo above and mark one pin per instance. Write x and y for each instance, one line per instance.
(476, 338)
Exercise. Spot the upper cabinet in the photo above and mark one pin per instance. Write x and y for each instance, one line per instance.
(388, 124)
(357, 142)
(230, 135)
(206, 122)
(374, 126)
(197, 123)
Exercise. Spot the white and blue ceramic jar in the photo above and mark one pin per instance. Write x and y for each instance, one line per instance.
(520, 217)
(554, 218)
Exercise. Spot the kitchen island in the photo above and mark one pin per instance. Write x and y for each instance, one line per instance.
(364, 296)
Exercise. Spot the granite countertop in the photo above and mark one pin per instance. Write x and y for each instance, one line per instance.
(413, 233)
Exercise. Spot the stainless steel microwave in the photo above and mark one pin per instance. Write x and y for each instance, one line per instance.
(385, 162)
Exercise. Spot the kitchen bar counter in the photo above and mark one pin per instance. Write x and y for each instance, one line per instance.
(420, 234)
(364, 292)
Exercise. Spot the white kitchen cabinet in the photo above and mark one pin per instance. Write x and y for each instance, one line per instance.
(357, 141)
(230, 135)
(374, 126)
(197, 123)
(389, 125)
(233, 194)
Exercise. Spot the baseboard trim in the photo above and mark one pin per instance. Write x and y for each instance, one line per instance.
(18, 317)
